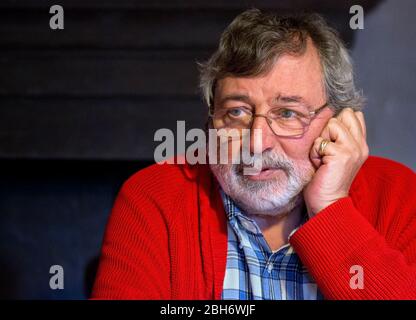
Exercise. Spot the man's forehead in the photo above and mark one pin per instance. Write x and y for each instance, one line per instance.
(245, 97)
(291, 76)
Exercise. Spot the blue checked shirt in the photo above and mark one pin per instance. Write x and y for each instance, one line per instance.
(254, 272)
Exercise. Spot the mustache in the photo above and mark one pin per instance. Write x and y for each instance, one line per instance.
(266, 160)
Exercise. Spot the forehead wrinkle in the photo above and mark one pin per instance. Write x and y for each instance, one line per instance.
(235, 97)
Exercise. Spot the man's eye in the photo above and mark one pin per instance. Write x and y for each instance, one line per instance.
(237, 112)
(287, 114)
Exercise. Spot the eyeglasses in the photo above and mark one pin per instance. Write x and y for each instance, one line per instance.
(287, 121)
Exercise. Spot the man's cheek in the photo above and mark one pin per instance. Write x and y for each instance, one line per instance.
(299, 150)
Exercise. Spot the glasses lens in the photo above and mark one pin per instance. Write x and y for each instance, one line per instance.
(284, 129)
(288, 121)
(232, 118)
(284, 121)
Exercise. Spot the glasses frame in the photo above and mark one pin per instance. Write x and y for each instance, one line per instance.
(269, 120)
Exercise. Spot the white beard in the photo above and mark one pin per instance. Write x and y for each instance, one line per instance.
(277, 196)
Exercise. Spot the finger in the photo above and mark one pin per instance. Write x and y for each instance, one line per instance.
(350, 120)
(314, 153)
(360, 117)
(336, 132)
(330, 149)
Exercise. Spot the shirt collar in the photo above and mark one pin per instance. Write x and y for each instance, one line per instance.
(235, 213)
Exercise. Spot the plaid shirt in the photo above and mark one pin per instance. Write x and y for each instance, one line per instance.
(254, 272)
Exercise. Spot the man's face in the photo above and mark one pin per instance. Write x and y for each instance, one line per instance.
(286, 166)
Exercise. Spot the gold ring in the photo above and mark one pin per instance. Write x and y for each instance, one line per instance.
(322, 147)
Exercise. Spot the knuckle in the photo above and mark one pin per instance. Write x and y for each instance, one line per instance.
(317, 141)
(333, 122)
(346, 112)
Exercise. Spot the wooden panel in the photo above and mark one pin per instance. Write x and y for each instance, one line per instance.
(90, 128)
(105, 29)
(99, 73)
(178, 24)
(185, 4)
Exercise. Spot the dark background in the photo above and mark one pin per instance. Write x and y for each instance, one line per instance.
(79, 108)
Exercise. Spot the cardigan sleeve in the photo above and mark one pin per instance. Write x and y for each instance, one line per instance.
(134, 262)
(339, 238)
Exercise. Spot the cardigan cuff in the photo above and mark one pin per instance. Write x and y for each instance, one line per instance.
(327, 239)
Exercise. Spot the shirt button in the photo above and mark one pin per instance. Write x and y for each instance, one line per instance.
(270, 267)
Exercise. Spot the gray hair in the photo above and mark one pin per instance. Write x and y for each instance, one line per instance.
(251, 44)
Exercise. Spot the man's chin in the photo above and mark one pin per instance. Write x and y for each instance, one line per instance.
(268, 193)
(267, 206)
(263, 196)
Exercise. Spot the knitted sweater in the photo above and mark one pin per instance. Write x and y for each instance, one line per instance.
(167, 236)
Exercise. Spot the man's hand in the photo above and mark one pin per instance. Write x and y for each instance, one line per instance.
(342, 158)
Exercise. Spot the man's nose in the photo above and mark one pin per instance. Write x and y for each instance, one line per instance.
(262, 137)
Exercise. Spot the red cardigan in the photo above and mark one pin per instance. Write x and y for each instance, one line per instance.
(167, 236)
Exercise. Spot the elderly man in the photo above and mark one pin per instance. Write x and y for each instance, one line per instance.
(320, 220)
